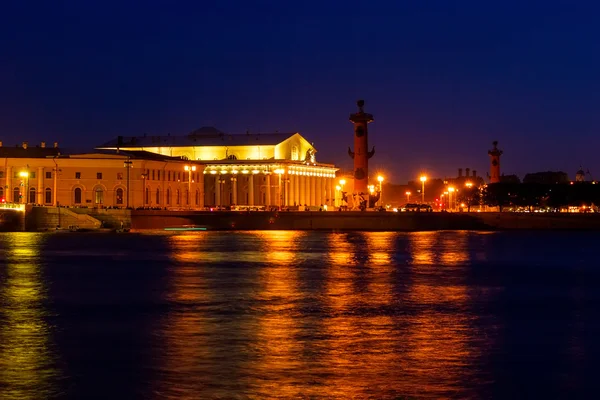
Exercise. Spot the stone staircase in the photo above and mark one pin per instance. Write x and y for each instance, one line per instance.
(50, 218)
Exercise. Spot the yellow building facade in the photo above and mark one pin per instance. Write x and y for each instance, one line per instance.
(271, 170)
(205, 169)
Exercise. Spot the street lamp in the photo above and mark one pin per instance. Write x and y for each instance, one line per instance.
(279, 172)
(189, 169)
(128, 164)
(423, 179)
(380, 179)
(338, 188)
(25, 175)
(408, 197)
(450, 199)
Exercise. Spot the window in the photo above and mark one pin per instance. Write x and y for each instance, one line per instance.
(168, 200)
(1, 174)
(147, 197)
(48, 175)
(99, 196)
(32, 175)
(48, 196)
(77, 196)
(157, 196)
(98, 175)
(119, 196)
(77, 175)
(16, 195)
(295, 153)
(32, 195)
(119, 176)
(169, 176)
(187, 197)
(158, 175)
(153, 174)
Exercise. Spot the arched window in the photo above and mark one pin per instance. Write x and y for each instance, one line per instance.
(119, 199)
(157, 196)
(16, 195)
(98, 195)
(168, 196)
(197, 197)
(32, 195)
(295, 153)
(178, 197)
(147, 196)
(48, 196)
(77, 196)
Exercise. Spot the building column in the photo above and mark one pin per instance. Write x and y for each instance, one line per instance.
(302, 196)
(251, 190)
(286, 191)
(40, 185)
(217, 190)
(331, 191)
(268, 191)
(323, 191)
(296, 199)
(234, 189)
(8, 190)
(200, 186)
(313, 191)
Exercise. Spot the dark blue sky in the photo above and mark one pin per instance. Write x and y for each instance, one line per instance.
(443, 79)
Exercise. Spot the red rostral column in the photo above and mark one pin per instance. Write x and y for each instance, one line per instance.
(361, 153)
(495, 154)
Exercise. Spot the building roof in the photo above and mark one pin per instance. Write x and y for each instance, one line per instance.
(205, 136)
(29, 152)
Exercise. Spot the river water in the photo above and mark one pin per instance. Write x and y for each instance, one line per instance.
(286, 314)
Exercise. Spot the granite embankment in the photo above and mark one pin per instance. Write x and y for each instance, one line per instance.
(362, 221)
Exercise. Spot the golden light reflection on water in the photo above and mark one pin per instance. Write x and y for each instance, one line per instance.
(359, 286)
(440, 338)
(378, 315)
(279, 352)
(27, 365)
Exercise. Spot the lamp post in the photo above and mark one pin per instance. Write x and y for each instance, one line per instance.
(279, 172)
(408, 197)
(128, 164)
(450, 199)
(338, 198)
(380, 179)
(469, 185)
(189, 169)
(423, 179)
(25, 175)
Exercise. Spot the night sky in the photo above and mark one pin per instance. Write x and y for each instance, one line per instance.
(443, 80)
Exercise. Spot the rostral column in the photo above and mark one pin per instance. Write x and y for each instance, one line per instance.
(361, 153)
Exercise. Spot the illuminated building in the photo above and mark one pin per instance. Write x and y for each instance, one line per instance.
(206, 168)
(275, 169)
(50, 176)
